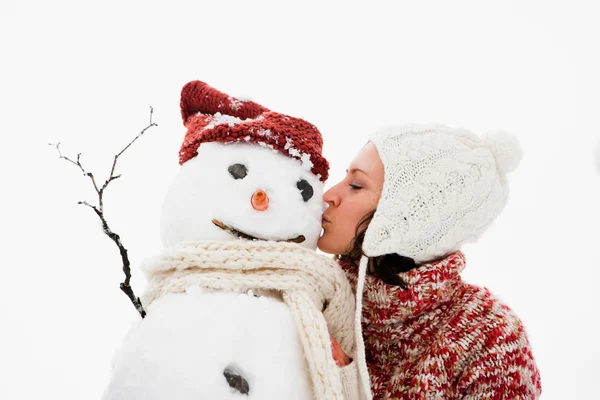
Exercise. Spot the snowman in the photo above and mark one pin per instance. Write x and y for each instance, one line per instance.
(239, 305)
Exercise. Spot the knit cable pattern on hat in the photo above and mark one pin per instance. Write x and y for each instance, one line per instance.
(308, 281)
(442, 188)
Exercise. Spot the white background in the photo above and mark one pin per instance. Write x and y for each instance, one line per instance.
(86, 74)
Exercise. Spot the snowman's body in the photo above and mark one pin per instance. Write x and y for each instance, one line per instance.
(207, 344)
(189, 343)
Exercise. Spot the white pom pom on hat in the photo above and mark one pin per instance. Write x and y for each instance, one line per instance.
(506, 148)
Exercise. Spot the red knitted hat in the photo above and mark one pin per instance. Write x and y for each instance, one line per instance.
(213, 116)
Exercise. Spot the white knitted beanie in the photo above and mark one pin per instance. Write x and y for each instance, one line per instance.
(442, 188)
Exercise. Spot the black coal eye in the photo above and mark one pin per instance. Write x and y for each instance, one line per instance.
(305, 189)
(238, 171)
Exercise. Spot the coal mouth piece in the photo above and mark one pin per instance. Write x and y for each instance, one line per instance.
(243, 235)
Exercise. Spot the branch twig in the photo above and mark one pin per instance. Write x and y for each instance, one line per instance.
(99, 210)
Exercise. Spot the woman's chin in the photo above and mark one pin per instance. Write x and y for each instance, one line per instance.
(326, 246)
(323, 245)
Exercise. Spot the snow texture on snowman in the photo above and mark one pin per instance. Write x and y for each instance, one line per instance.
(239, 303)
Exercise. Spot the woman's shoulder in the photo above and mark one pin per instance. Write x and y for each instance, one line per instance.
(480, 306)
(477, 325)
(491, 342)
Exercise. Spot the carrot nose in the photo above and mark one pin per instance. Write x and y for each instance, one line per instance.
(260, 200)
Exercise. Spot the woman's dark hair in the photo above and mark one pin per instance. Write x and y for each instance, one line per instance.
(386, 267)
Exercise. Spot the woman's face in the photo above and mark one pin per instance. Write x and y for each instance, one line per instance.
(350, 200)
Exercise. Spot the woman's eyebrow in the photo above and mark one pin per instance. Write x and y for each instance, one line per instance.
(353, 170)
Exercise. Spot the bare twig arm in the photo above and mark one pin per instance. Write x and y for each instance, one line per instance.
(99, 210)
(125, 285)
(112, 171)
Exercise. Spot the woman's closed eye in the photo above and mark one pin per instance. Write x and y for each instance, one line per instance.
(355, 186)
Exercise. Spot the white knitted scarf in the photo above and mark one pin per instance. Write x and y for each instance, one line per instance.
(313, 286)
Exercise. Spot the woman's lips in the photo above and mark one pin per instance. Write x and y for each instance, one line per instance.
(324, 219)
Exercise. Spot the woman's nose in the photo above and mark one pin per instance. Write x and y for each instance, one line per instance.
(331, 197)
(260, 200)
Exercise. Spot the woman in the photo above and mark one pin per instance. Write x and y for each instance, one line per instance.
(411, 197)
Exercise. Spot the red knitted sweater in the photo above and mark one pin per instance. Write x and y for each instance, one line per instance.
(443, 338)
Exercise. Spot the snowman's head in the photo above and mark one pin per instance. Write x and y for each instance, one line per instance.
(243, 190)
(247, 172)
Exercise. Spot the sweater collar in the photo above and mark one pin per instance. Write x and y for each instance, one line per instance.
(429, 285)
